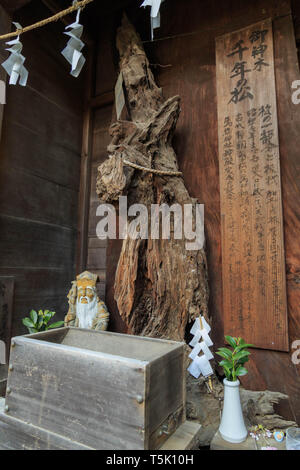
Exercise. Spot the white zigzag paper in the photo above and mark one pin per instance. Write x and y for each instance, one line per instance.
(14, 65)
(72, 52)
(200, 364)
(154, 13)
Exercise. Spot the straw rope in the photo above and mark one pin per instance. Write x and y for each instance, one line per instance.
(152, 170)
(80, 4)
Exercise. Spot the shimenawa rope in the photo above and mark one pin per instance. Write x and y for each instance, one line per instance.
(152, 170)
(80, 4)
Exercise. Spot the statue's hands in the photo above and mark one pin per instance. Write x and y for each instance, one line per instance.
(70, 319)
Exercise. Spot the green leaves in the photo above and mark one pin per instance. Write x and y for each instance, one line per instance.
(231, 341)
(241, 371)
(58, 324)
(27, 322)
(40, 321)
(34, 316)
(233, 361)
(240, 355)
(224, 352)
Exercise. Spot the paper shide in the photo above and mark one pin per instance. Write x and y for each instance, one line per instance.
(154, 13)
(14, 65)
(201, 344)
(72, 52)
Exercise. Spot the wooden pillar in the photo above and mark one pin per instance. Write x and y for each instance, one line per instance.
(85, 171)
(5, 22)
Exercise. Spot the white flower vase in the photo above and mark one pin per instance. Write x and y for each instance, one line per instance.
(232, 427)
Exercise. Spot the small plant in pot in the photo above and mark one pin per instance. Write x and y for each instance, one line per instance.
(232, 427)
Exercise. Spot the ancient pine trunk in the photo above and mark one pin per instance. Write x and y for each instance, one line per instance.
(159, 285)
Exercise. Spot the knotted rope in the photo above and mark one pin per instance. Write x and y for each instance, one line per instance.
(80, 4)
(152, 170)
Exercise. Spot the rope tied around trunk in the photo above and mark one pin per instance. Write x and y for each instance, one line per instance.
(152, 170)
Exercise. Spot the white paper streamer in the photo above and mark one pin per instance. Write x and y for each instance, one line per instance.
(119, 95)
(14, 64)
(154, 13)
(72, 52)
(200, 364)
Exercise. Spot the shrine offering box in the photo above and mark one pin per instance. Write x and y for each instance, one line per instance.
(72, 388)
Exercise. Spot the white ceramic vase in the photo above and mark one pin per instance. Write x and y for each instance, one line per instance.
(232, 427)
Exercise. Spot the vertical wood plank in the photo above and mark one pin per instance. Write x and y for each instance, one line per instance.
(5, 22)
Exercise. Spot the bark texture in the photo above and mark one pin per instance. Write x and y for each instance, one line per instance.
(159, 285)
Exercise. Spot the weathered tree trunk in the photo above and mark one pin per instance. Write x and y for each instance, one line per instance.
(159, 284)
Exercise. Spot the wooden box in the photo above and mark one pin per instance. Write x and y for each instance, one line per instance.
(75, 388)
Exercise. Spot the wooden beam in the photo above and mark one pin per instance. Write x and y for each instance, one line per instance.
(5, 25)
(85, 171)
(104, 99)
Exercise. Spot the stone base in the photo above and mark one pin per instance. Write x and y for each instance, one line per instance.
(218, 443)
(186, 437)
(18, 435)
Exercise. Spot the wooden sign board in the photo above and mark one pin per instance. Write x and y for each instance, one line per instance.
(253, 263)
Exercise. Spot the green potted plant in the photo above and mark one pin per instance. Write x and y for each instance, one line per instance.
(40, 321)
(232, 427)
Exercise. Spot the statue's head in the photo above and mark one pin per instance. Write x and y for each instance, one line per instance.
(86, 287)
(86, 303)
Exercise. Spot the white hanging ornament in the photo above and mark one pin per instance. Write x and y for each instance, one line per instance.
(14, 65)
(200, 343)
(72, 52)
(154, 13)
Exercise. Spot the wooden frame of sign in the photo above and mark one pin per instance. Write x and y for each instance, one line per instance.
(253, 262)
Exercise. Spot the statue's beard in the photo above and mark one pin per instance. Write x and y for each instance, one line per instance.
(86, 312)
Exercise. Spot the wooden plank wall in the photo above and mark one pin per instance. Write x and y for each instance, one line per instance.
(39, 173)
(96, 260)
(183, 58)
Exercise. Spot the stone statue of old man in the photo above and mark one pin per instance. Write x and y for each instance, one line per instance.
(86, 310)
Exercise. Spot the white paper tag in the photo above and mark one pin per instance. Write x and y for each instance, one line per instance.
(206, 326)
(196, 326)
(201, 347)
(194, 370)
(195, 351)
(72, 52)
(204, 365)
(206, 338)
(206, 350)
(196, 339)
(14, 65)
(200, 364)
(154, 13)
(119, 95)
